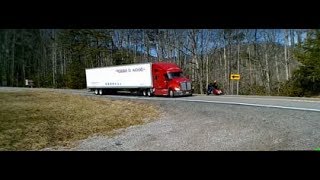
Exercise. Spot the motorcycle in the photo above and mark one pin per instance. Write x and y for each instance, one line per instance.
(215, 92)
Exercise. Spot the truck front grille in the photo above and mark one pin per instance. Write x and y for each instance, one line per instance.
(188, 85)
(185, 86)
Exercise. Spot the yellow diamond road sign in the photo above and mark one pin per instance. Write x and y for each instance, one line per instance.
(235, 76)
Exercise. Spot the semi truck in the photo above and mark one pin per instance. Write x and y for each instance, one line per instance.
(147, 79)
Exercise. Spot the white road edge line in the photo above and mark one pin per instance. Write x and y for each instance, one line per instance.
(257, 105)
(220, 102)
(270, 99)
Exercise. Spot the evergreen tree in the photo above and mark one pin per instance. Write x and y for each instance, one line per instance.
(307, 77)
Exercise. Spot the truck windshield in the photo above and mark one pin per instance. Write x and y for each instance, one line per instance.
(174, 75)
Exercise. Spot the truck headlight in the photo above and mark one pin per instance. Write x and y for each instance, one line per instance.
(177, 89)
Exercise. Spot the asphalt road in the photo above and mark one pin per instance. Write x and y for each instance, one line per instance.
(304, 104)
(228, 123)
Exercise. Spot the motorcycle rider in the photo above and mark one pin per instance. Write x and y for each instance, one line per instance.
(215, 85)
(210, 88)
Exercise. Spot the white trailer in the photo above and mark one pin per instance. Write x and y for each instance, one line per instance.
(134, 76)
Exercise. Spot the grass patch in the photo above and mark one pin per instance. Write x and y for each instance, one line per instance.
(36, 120)
(315, 96)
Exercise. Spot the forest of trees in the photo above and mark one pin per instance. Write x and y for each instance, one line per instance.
(270, 61)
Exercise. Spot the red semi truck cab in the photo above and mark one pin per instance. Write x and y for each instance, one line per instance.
(168, 79)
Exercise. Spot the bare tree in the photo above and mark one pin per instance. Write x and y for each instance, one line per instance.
(286, 59)
(194, 45)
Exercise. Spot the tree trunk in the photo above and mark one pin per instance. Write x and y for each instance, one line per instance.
(207, 71)
(255, 51)
(54, 61)
(61, 61)
(225, 66)
(12, 56)
(267, 74)
(277, 74)
(238, 63)
(230, 69)
(157, 49)
(292, 38)
(128, 42)
(23, 65)
(199, 76)
(299, 37)
(5, 58)
(286, 55)
(135, 52)
(250, 68)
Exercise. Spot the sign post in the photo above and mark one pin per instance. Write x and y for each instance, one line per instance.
(237, 78)
(237, 87)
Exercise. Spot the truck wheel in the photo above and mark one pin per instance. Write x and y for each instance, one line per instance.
(96, 92)
(171, 94)
(149, 93)
(100, 92)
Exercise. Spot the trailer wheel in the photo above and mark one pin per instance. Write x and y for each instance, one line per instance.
(96, 92)
(149, 93)
(144, 93)
(100, 92)
(171, 94)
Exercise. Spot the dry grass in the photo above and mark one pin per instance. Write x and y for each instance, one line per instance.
(35, 120)
(316, 96)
